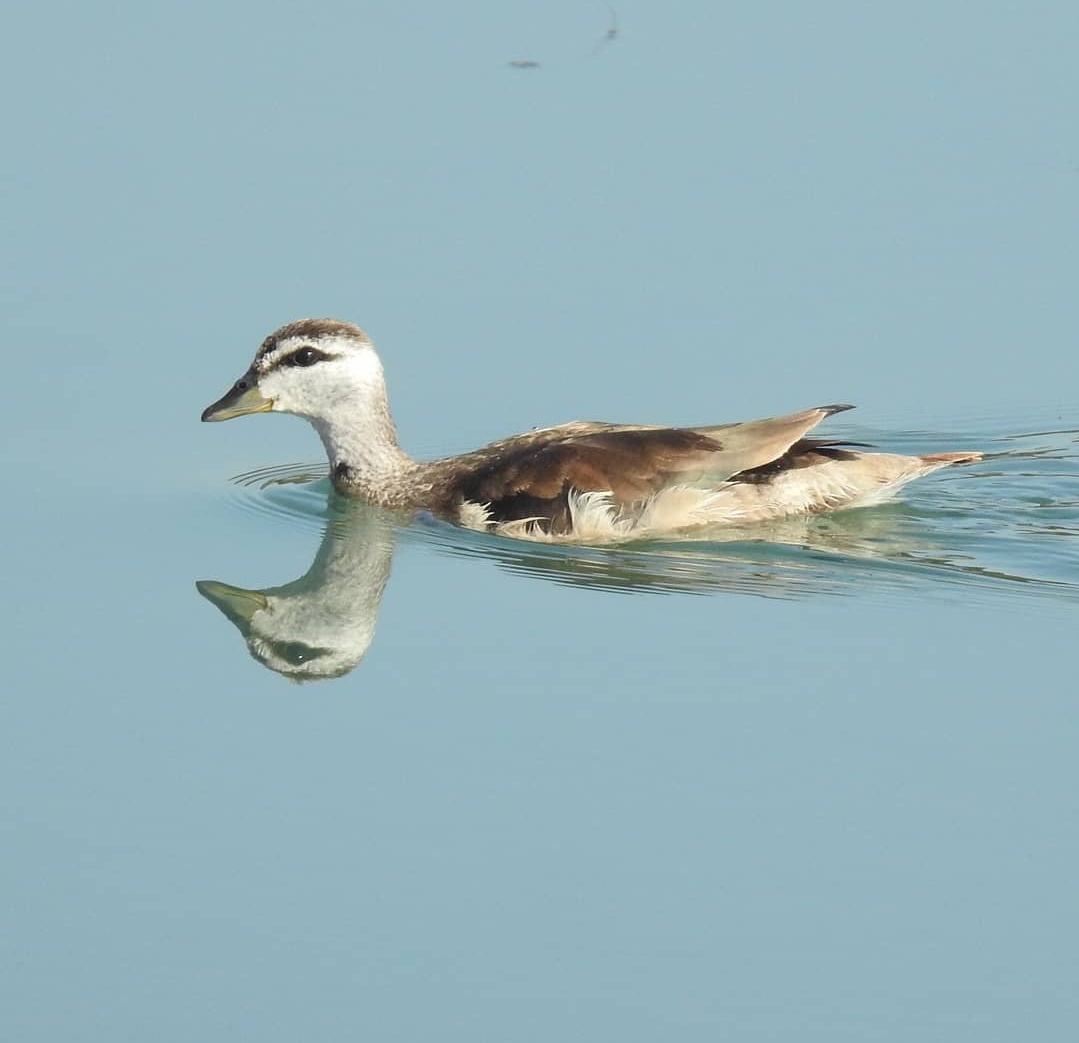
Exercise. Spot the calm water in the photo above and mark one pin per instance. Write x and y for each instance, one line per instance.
(813, 782)
(817, 781)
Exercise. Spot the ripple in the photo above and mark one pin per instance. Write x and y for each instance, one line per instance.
(282, 474)
(288, 493)
(660, 568)
(890, 551)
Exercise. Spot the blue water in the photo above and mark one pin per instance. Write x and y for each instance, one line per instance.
(817, 781)
(275, 766)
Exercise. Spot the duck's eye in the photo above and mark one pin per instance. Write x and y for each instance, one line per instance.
(305, 357)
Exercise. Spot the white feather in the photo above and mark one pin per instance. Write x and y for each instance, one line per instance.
(830, 485)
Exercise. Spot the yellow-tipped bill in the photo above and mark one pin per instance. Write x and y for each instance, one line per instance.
(242, 398)
(236, 602)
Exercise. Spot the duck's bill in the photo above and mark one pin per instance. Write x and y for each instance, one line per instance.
(240, 399)
(236, 602)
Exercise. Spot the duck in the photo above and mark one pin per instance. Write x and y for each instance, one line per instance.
(582, 481)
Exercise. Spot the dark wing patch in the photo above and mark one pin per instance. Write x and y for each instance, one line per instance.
(534, 482)
(804, 453)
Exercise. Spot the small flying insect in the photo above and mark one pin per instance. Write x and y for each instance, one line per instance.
(610, 35)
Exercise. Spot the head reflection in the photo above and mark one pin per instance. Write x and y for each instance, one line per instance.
(320, 625)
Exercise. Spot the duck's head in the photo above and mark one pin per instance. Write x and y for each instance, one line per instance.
(291, 634)
(311, 368)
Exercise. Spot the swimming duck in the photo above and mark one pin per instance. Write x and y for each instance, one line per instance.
(583, 481)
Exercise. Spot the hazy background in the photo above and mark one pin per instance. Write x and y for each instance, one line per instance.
(534, 812)
(730, 210)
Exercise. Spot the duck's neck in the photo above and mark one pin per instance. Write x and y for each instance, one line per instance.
(361, 442)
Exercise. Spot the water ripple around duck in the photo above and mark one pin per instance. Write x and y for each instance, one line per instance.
(1002, 529)
(289, 493)
(1005, 527)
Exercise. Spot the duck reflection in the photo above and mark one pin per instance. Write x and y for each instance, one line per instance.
(320, 625)
(766, 560)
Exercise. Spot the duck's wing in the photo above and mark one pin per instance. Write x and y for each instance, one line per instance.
(755, 443)
(532, 476)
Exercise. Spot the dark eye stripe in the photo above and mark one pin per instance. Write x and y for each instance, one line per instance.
(305, 356)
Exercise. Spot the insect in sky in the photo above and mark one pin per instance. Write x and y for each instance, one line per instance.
(610, 35)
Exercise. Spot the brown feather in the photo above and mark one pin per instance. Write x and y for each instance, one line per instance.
(531, 476)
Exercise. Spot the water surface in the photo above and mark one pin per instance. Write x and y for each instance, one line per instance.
(821, 774)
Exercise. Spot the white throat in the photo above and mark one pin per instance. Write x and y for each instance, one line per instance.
(343, 395)
(359, 434)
